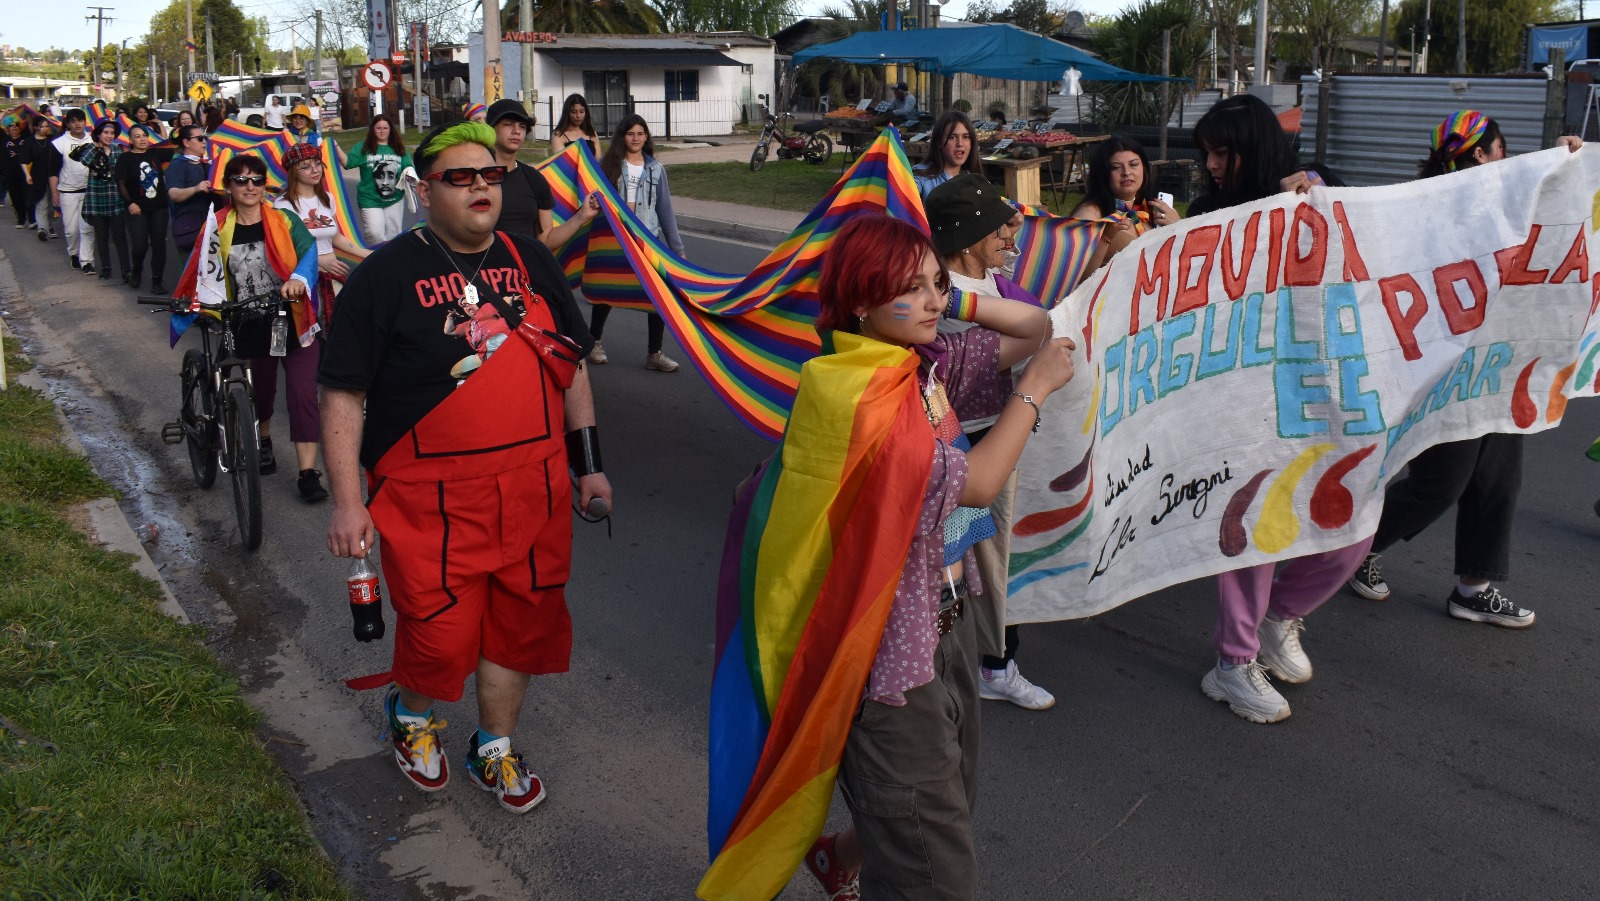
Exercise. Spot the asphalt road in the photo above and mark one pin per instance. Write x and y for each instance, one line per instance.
(1430, 758)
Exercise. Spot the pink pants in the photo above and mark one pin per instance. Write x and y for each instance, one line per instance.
(1289, 590)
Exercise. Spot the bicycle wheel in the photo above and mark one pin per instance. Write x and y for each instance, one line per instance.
(244, 461)
(759, 157)
(199, 409)
(819, 149)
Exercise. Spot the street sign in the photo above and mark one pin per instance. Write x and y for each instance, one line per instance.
(398, 57)
(200, 92)
(377, 75)
(423, 111)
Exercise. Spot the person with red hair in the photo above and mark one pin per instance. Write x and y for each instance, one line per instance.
(883, 291)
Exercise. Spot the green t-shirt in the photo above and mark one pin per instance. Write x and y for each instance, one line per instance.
(380, 175)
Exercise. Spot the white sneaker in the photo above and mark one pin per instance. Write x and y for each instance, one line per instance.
(660, 362)
(1011, 685)
(597, 356)
(1281, 652)
(1247, 690)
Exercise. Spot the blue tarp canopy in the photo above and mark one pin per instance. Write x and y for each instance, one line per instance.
(996, 51)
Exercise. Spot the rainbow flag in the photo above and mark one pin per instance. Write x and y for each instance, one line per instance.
(812, 558)
(126, 122)
(190, 46)
(345, 208)
(29, 113)
(97, 111)
(236, 137)
(1053, 252)
(746, 334)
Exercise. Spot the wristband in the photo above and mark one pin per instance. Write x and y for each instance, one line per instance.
(583, 451)
(963, 305)
(1038, 418)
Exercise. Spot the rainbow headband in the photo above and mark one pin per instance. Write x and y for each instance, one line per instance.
(1458, 134)
(473, 109)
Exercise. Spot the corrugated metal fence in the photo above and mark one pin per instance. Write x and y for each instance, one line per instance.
(1379, 125)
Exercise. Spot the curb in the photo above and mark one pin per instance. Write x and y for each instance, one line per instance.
(109, 526)
(716, 228)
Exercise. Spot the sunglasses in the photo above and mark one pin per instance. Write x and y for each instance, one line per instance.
(201, 138)
(462, 178)
(257, 180)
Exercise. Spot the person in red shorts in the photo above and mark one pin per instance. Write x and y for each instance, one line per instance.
(467, 472)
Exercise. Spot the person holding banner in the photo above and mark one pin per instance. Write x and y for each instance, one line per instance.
(888, 645)
(952, 151)
(1261, 609)
(303, 128)
(573, 126)
(1120, 185)
(151, 122)
(641, 181)
(1480, 476)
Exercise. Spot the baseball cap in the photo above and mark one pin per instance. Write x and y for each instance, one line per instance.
(504, 109)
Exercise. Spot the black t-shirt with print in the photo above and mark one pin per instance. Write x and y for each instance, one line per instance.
(522, 195)
(388, 336)
(139, 175)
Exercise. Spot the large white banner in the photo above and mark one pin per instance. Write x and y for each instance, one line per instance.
(1251, 379)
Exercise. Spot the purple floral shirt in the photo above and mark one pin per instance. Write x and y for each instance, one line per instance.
(969, 366)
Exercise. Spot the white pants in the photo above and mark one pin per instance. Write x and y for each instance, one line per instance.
(76, 229)
(380, 224)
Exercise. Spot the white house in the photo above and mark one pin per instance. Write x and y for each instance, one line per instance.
(37, 90)
(703, 83)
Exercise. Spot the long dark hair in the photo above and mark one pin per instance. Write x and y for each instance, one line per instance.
(565, 121)
(1099, 193)
(942, 128)
(1440, 160)
(1259, 155)
(611, 163)
(396, 143)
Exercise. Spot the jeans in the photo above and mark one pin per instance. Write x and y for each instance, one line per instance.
(109, 230)
(1290, 590)
(148, 232)
(601, 312)
(380, 224)
(1483, 475)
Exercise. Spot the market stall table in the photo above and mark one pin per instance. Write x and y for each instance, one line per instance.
(1021, 177)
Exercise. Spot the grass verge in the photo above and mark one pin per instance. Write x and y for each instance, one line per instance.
(159, 786)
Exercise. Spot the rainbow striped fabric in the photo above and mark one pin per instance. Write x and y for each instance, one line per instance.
(234, 137)
(1053, 252)
(26, 111)
(746, 334)
(809, 571)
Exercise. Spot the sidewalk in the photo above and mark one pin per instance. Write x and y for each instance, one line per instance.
(750, 224)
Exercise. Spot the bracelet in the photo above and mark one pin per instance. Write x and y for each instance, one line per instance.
(963, 305)
(1038, 418)
(583, 451)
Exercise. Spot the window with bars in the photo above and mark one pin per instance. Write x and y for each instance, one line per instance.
(683, 84)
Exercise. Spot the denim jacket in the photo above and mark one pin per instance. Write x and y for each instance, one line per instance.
(654, 204)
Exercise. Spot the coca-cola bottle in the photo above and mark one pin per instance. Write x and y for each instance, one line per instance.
(366, 603)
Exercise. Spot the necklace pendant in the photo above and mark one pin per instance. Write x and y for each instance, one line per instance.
(470, 295)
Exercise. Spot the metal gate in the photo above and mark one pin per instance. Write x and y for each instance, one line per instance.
(606, 92)
(1379, 125)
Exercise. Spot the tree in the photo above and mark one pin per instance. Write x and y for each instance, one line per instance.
(589, 16)
(984, 11)
(1323, 24)
(754, 16)
(836, 78)
(1133, 41)
(1225, 16)
(1495, 36)
(230, 30)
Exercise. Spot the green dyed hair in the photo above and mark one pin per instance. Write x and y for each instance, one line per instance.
(447, 136)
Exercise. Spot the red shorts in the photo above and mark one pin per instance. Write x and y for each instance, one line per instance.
(477, 568)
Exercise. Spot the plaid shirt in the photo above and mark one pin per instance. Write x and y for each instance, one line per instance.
(103, 197)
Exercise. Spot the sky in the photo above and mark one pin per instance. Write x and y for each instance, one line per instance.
(62, 25)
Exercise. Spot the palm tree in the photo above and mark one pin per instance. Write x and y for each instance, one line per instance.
(588, 17)
(1133, 42)
(836, 78)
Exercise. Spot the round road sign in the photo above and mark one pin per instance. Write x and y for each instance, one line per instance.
(377, 75)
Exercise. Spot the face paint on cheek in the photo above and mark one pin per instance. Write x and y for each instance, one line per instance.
(902, 310)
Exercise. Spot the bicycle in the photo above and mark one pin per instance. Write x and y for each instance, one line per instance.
(806, 142)
(217, 412)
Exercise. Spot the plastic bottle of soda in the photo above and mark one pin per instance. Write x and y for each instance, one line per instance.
(366, 603)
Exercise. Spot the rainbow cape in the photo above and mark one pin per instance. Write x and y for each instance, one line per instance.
(234, 137)
(747, 335)
(290, 250)
(813, 555)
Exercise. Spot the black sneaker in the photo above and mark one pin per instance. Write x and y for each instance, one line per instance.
(75, 263)
(310, 484)
(44, 235)
(87, 269)
(269, 463)
(1368, 582)
(133, 280)
(1489, 606)
(157, 288)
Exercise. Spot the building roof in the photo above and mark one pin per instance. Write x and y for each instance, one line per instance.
(665, 42)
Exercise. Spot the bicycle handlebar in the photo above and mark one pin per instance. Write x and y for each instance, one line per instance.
(176, 305)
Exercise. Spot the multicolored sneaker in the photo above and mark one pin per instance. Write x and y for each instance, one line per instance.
(417, 749)
(839, 883)
(494, 767)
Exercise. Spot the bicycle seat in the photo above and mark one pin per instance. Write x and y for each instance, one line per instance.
(812, 127)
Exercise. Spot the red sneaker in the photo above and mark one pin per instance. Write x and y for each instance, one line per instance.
(494, 767)
(417, 749)
(839, 883)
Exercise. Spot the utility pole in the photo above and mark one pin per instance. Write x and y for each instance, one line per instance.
(530, 95)
(188, 8)
(316, 55)
(492, 85)
(1427, 33)
(154, 100)
(100, 20)
(211, 47)
(294, 48)
(120, 47)
(1262, 56)
(1461, 37)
